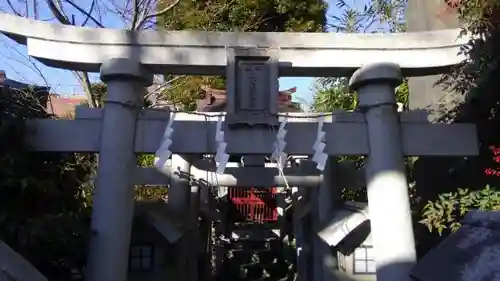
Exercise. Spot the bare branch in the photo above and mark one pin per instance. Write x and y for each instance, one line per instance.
(58, 13)
(9, 2)
(26, 61)
(84, 80)
(88, 89)
(87, 14)
(158, 14)
(60, 7)
(163, 86)
(136, 12)
(91, 9)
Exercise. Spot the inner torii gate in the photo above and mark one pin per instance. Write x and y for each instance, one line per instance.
(127, 61)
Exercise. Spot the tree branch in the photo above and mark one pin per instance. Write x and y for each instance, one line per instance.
(59, 6)
(57, 12)
(84, 80)
(141, 15)
(158, 14)
(9, 2)
(135, 16)
(87, 14)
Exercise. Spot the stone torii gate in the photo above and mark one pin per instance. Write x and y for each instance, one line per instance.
(127, 61)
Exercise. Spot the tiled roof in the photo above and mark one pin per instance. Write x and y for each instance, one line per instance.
(214, 100)
(61, 105)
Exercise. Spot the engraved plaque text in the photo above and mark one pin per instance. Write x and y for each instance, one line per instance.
(253, 86)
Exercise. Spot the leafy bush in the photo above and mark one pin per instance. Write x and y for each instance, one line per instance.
(445, 213)
(44, 197)
(477, 79)
(149, 192)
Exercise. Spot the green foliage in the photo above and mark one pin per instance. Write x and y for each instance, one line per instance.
(185, 90)
(332, 93)
(374, 16)
(445, 213)
(477, 79)
(253, 15)
(335, 95)
(44, 197)
(99, 92)
(148, 192)
(238, 15)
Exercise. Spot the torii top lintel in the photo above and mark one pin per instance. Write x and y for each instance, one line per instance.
(204, 53)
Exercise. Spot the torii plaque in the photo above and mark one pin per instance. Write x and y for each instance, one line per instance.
(252, 86)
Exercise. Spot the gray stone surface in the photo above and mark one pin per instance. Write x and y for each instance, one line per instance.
(13, 267)
(189, 52)
(125, 69)
(377, 73)
(386, 183)
(429, 15)
(343, 138)
(126, 80)
(252, 86)
(470, 254)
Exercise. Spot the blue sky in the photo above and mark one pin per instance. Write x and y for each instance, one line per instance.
(13, 59)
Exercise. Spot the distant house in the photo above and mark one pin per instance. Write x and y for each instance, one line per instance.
(349, 234)
(215, 100)
(61, 106)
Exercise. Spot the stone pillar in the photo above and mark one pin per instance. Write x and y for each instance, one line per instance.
(113, 201)
(388, 201)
